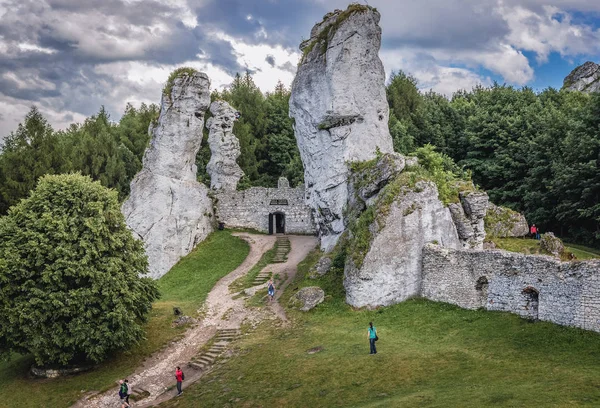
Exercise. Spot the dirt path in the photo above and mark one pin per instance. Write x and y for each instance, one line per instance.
(221, 311)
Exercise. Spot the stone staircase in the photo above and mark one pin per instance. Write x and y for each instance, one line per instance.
(282, 248)
(222, 339)
(262, 277)
(138, 394)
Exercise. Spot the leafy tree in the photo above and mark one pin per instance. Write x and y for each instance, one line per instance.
(70, 285)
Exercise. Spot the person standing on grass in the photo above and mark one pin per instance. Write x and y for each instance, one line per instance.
(271, 290)
(179, 378)
(372, 336)
(123, 394)
(533, 231)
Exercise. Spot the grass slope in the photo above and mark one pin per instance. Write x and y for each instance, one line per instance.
(430, 355)
(186, 286)
(532, 246)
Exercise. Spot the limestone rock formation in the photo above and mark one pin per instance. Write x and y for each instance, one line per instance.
(503, 222)
(469, 218)
(369, 178)
(552, 244)
(223, 169)
(391, 269)
(321, 268)
(339, 106)
(584, 78)
(307, 298)
(167, 208)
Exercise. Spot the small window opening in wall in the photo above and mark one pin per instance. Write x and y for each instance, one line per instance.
(482, 288)
(531, 299)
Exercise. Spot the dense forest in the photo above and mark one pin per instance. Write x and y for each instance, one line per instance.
(538, 153)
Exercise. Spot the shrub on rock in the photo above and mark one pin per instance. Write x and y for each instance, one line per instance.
(71, 289)
(552, 244)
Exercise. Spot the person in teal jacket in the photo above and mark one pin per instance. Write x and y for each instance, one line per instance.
(372, 336)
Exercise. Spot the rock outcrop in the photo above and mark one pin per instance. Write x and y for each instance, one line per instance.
(339, 106)
(468, 216)
(320, 268)
(222, 167)
(167, 208)
(552, 244)
(390, 272)
(503, 222)
(584, 78)
(307, 298)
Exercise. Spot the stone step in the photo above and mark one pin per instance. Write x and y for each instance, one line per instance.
(196, 365)
(139, 391)
(213, 354)
(228, 330)
(206, 360)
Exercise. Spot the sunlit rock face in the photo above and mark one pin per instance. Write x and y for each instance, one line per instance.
(167, 208)
(340, 110)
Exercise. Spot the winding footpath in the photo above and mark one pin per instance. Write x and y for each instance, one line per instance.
(222, 311)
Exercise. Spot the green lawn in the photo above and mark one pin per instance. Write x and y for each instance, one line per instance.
(186, 286)
(430, 355)
(532, 246)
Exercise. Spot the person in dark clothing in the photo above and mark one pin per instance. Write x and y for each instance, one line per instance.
(372, 336)
(179, 378)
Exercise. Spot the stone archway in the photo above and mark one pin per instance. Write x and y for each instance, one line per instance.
(277, 223)
(531, 301)
(481, 286)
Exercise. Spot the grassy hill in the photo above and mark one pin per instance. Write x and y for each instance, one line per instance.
(430, 355)
(186, 285)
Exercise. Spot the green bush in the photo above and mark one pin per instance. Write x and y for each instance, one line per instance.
(70, 285)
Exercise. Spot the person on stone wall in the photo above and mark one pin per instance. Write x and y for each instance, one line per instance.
(271, 290)
(372, 336)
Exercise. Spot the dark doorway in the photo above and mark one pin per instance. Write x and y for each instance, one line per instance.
(482, 290)
(277, 223)
(531, 300)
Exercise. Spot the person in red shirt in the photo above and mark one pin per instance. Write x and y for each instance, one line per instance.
(179, 377)
(533, 231)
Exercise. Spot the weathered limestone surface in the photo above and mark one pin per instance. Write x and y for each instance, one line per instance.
(167, 208)
(320, 268)
(584, 78)
(391, 270)
(307, 298)
(251, 208)
(468, 217)
(503, 222)
(222, 167)
(549, 242)
(340, 110)
(533, 286)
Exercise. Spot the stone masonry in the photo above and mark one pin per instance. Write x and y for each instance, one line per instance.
(251, 208)
(533, 286)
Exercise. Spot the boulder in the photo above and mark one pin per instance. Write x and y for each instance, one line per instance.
(339, 106)
(167, 208)
(320, 268)
(307, 298)
(503, 222)
(584, 78)
(222, 167)
(552, 244)
(367, 179)
(390, 272)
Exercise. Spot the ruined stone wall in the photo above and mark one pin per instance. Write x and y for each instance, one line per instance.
(566, 293)
(251, 208)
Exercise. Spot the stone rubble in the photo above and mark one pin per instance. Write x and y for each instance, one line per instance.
(222, 167)
(167, 208)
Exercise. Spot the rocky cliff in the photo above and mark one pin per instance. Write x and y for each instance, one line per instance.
(468, 217)
(584, 78)
(339, 106)
(223, 169)
(167, 208)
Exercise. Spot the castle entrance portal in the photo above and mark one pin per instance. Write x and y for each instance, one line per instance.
(277, 223)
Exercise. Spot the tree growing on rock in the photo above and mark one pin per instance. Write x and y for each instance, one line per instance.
(70, 285)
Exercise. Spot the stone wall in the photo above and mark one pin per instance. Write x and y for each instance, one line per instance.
(251, 208)
(537, 287)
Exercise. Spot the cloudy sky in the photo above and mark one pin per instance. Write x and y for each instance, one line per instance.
(69, 57)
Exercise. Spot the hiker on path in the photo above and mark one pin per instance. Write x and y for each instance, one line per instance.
(123, 389)
(271, 290)
(179, 378)
(128, 390)
(372, 336)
